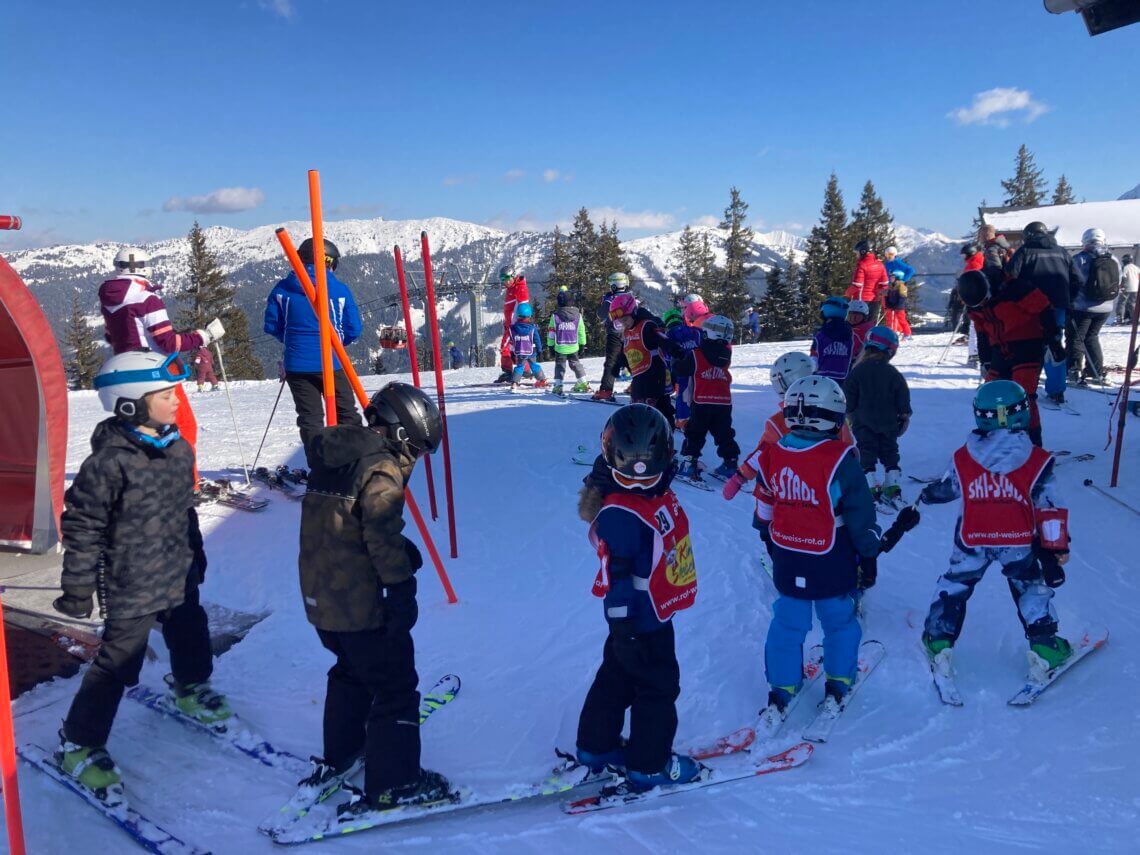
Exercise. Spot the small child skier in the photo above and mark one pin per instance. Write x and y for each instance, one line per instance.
(1010, 514)
(130, 533)
(878, 407)
(894, 304)
(566, 335)
(687, 338)
(526, 345)
(858, 313)
(204, 369)
(646, 348)
(709, 394)
(833, 345)
(647, 574)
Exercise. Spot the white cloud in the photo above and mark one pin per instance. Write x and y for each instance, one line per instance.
(455, 180)
(284, 8)
(708, 221)
(550, 175)
(632, 219)
(527, 222)
(993, 107)
(513, 174)
(227, 200)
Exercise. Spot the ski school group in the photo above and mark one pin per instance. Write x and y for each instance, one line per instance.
(131, 536)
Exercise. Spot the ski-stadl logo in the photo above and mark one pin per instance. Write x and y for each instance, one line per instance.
(715, 373)
(790, 487)
(835, 348)
(992, 486)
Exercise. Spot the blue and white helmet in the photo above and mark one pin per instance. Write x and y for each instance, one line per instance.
(125, 379)
(717, 328)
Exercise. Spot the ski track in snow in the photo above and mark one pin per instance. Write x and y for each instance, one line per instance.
(902, 772)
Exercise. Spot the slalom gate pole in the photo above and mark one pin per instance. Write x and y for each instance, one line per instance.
(233, 412)
(8, 222)
(362, 396)
(321, 307)
(433, 319)
(272, 413)
(1123, 403)
(12, 816)
(401, 276)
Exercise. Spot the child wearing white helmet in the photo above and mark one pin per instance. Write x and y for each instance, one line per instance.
(130, 533)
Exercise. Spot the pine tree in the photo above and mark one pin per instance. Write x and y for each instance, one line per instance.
(1063, 193)
(828, 261)
(585, 278)
(793, 282)
(779, 307)
(86, 358)
(872, 222)
(560, 269)
(1026, 189)
(688, 258)
(977, 223)
(209, 296)
(733, 296)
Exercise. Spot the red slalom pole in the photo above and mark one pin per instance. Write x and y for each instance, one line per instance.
(321, 307)
(1129, 366)
(429, 287)
(402, 277)
(10, 223)
(12, 816)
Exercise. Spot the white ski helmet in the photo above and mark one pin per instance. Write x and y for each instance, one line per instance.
(815, 403)
(693, 298)
(131, 260)
(891, 251)
(789, 368)
(860, 307)
(717, 328)
(126, 378)
(618, 282)
(1093, 237)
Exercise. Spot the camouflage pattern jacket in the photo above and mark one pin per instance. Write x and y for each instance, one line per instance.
(352, 548)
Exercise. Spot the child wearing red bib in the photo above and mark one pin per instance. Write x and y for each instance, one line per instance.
(1011, 515)
(647, 574)
(709, 397)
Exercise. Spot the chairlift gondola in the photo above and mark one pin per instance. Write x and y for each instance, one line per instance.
(393, 338)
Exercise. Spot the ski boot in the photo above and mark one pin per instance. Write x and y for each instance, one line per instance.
(431, 788)
(681, 424)
(324, 777)
(691, 469)
(603, 395)
(582, 386)
(557, 388)
(1047, 654)
(891, 493)
(726, 469)
(541, 383)
(940, 652)
(93, 769)
(772, 716)
(199, 702)
(505, 377)
(598, 763)
(515, 385)
(873, 483)
(681, 769)
(835, 691)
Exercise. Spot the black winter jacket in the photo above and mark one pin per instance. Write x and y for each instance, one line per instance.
(878, 398)
(1042, 263)
(130, 531)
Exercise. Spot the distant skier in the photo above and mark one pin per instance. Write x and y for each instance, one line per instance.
(833, 345)
(617, 283)
(204, 369)
(358, 586)
(869, 280)
(130, 533)
(647, 574)
(526, 347)
(1092, 307)
(894, 306)
(995, 248)
(709, 393)
(515, 295)
(893, 264)
(1010, 514)
(753, 325)
(1129, 285)
(646, 347)
(686, 338)
(455, 355)
(566, 335)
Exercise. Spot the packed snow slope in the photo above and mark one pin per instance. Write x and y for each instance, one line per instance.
(901, 772)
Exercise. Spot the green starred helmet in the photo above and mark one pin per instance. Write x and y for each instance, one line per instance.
(671, 318)
(1001, 404)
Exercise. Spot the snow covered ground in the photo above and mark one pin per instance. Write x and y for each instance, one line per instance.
(901, 773)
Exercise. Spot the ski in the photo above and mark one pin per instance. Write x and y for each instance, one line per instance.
(871, 653)
(733, 743)
(223, 492)
(621, 793)
(586, 396)
(583, 456)
(148, 834)
(771, 724)
(1058, 406)
(275, 481)
(698, 483)
(942, 672)
(1091, 641)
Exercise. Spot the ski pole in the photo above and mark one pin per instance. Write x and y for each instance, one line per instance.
(233, 413)
(957, 329)
(272, 413)
(1108, 495)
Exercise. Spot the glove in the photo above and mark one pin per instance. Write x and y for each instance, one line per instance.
(213, 331)
(413, 553)
(1056, 350)
(868, 572)
(907, 519)
(1050, 563)
(732, 486)
(904, 423)
(74, 607)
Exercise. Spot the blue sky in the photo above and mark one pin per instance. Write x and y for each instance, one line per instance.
(128, 120)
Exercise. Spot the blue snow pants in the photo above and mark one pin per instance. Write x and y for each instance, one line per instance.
(682, 402)
(791, 621)
(535, 368)
(1055, 374)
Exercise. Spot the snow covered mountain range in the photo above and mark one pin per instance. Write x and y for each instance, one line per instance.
(463, 252)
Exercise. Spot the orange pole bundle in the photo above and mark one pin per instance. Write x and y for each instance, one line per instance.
(311, 292)
(321, 306)
(12, 815)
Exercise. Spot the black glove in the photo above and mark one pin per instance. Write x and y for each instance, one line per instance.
(74, 607)
(1056, 350)
(413, 553)
(907, 519)
(1051, 569)
(868, 572)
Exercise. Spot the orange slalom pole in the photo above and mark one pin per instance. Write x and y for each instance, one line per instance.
(415, 361)
(321, 306)
(12, 816)
(361, 395)
(437, 346)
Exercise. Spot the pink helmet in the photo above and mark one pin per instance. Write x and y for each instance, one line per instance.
(622, 305)
(694, 310)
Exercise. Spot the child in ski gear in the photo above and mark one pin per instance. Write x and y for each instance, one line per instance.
(833, 345)
(618, 283)
(455, 355)
(515, 295)
(566, 335)
(646, 347)
(130, 533)
(893, 264)
(290, 318)
(869, 281)
(695, 310)
(709, 394)
(204, 369)
(1010, 514)
(687, 338)
(817, 520)
(647, 574)
(526, 345)
(857, 319)
(894, 305)
(878, 408)
(358, 584)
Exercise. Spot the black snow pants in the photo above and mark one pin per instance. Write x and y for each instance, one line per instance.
(309, 399)
(1085, 354)
(615, 359)
(639, 673)
(715, 419)
(875, 448)
(372, 704)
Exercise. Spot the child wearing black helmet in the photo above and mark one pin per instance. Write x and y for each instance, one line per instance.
(359, 589)
(647, 574)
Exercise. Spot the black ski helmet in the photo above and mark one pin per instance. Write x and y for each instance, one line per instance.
(863, 247)
(637, 445)
(1127, 259)
(506, 274)
(409, 414)
(973, 288)
(332, 254)
(969, 249)
(1035, 229)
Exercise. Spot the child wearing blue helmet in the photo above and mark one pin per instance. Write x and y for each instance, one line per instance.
(833, 345)
(526, 347)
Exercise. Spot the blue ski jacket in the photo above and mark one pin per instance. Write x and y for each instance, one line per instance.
(289, 318)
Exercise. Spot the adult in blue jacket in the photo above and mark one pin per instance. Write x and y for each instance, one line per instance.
(289, 318)
(892, 262)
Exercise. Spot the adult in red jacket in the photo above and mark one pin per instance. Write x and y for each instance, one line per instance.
(869, 281)
(514, 295)
(973, 257)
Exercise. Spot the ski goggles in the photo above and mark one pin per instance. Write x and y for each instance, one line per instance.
(644, 482)
(172, 370)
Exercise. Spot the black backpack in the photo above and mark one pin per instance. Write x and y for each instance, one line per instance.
(1104, 279)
